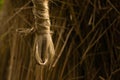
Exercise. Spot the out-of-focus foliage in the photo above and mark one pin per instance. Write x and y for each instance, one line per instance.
(1, 2)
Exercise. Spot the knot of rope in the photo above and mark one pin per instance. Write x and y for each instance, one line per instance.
(43, 45)
(27, 31)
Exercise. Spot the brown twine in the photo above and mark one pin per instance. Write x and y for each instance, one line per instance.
(44, 48)
(43, 45)
(27, 31)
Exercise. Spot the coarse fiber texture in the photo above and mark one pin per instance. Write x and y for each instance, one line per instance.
(44, 49)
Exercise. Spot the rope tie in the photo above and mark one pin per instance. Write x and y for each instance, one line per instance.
(43, 45)
(27, 31)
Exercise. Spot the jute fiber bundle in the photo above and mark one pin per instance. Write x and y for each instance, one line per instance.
(44, 48)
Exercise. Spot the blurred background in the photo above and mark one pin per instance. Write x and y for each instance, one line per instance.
(86, 39)
(1, 3)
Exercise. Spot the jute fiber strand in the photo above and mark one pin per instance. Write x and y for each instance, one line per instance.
(44, 48)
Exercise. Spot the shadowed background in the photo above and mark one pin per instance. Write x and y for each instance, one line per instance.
(86, 38)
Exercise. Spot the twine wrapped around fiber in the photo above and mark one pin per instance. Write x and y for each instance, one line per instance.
(44, 48)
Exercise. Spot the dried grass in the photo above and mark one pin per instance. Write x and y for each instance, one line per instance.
(86, 38)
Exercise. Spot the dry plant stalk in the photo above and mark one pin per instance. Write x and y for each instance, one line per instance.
(44, 48)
